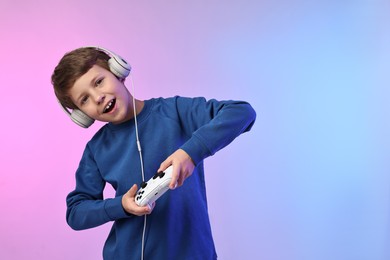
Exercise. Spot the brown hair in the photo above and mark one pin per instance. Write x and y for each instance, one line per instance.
(71, 67)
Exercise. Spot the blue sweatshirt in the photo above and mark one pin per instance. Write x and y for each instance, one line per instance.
(179, 226)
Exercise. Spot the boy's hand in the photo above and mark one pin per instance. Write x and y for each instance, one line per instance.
(129, 205)
(183, 166)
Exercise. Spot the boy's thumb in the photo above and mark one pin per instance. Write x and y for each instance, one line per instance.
(132, 191)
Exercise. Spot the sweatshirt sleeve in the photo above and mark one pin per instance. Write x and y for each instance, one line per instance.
(86, 207)
(212, 124)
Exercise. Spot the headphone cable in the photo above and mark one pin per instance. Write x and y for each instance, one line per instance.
(141, 161)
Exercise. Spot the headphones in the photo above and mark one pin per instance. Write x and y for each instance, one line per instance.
(119, 67)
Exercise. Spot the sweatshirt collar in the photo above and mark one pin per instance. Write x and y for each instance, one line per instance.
(140, 117)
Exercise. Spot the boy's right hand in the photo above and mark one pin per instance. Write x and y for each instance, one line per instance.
(129, 205)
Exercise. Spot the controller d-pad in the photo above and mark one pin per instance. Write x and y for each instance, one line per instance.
(161, 174)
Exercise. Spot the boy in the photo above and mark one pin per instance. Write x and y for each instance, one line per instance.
(175, 131)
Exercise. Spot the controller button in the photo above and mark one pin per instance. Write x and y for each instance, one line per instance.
(162, 174)
(143, 185)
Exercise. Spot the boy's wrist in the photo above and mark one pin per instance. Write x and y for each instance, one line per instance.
(114, 208)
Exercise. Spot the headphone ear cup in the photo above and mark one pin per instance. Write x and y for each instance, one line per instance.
(81, 118)
(119, 66)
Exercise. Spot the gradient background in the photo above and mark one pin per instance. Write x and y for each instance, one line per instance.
(309, 182)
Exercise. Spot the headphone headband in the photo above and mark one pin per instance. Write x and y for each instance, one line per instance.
(118, 66)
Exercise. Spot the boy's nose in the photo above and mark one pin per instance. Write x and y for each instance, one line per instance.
(100, 99)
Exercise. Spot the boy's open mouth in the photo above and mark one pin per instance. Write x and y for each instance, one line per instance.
(110, 106)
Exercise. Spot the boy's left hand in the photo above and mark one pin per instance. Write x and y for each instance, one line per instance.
(183, 166)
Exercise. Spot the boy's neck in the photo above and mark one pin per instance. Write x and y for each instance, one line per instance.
(139, 105)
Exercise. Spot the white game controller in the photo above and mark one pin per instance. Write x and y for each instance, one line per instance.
(153, 189)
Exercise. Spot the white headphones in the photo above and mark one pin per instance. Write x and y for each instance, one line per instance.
(119, 67)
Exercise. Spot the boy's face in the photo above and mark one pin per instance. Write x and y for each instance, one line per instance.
(100, 95)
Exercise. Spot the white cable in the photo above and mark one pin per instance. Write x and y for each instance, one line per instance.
(136, 131)
(143, 238)
(141, 160)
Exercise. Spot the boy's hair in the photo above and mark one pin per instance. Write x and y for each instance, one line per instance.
(71, 67)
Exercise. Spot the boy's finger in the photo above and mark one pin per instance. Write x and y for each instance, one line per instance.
(175, 177)
(164, 165)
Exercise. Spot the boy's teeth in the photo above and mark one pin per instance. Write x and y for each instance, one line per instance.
(109, 105)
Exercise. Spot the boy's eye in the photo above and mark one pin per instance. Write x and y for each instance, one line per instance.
(84, 100)
(99, 82)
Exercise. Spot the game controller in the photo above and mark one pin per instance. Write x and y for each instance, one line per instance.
(153, 189)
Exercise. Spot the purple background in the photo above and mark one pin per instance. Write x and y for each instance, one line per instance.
(309, 182)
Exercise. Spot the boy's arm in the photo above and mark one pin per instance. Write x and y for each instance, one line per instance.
(211, 126)
(86, 207)
(214, 125)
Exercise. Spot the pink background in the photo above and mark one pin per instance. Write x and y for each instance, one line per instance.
(310, 181)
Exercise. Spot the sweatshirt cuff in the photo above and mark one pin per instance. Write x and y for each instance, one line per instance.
(196, 149)
(114, 209)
